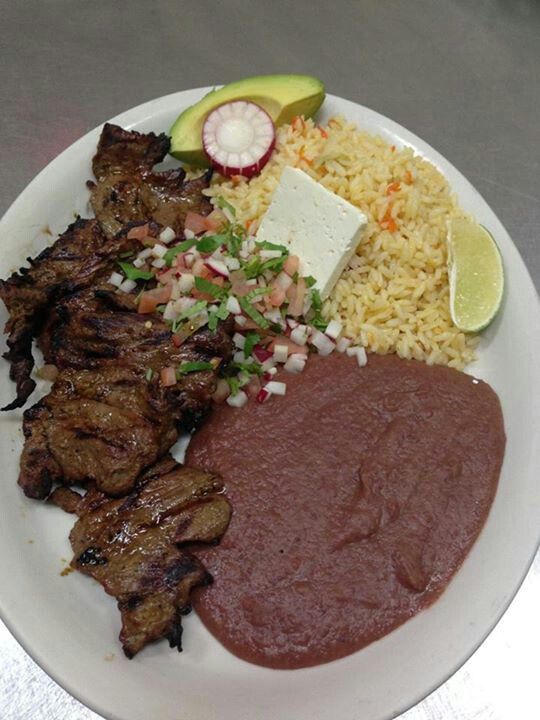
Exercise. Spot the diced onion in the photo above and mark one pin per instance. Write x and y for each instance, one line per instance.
(239, 340)
(276, 388)
(281, 353)
(270, 254)
(333, 329)
(359, 353)
(233, 306)
(238, 356)
(238, 400)
(159, 250)
(232, 263)
(323, 343)
(116, 279)
(167, 235)
(127, 286)
(158, 263)
(138, 262)
(299, 335)
(295, 363)
(189, 234)
(185, 282)
(144, 254)
(342, 344)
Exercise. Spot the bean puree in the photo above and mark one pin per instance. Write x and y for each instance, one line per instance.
(355, 499)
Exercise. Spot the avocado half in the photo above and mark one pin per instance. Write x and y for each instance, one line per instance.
(282, 96)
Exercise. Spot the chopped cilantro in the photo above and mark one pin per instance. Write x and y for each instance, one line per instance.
(196, 366)
(251, 339)
(133, 273)
(316, 304)
(253, 368)
(180, 248)
(234, 384)
(265, 245)
(253, 313)
(223, 204)
(193, 310)
(220, 314)
(149, 374)
(208, 287)
(210, 243)
(309, 280)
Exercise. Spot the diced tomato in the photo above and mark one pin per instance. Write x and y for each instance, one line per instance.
(215, 220)
(147, 304)
(277, 296)
(177, 340)
(168, 377)
(138, 233)
(291, 265)
(195, 222)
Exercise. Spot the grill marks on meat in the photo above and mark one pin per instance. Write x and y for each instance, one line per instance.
(78, 258)
(102, 426)
(138, 547)
(100, 328)
(128, 189)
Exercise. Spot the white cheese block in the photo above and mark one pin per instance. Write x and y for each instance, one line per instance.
(317, 225)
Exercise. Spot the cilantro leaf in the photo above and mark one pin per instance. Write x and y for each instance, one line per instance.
(234, 384)
(180, 248)
(222, 203)
(251, 339)
(265, 245)
(193, 310)
(195, 366)
(310, 281)
(253, 313)
(209, 288)
(210, 243)
(133, 273)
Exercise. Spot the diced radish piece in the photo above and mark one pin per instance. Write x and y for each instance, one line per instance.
(185, 282)
(271, 372)
(261, 353)
(195, 222)
(262, 395)
(277, 297)
(158, 263)
(322, 342)
(168, 376)
(342, 344)
(292, 263)
(238, 356)
(283, 280)
(292, 323)
(233, 306)
(274, 316)
(359, 353)
(239, 340)
(127, 286)
(169, 312)
(222, 391)
(167, 235)
(116, 279)
(241, 321)
(144, 254)
(333, 329)
(238, 400)
(270, 254)
(276, 388)
(299, 335)
(238, 138)
(217, 266)
(184, 303)
(295, 363)
(281, 353)
(138, 233)
(268, 365)
(138, 263)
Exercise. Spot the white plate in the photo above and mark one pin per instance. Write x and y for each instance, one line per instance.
(70, 626)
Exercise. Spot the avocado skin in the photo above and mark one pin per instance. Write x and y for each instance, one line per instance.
(282, 96)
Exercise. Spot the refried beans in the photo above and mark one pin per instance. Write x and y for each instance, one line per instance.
(355, 499)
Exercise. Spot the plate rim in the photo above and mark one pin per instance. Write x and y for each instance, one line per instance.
(144, 110)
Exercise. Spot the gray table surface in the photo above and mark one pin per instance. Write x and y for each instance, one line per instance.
(462, 74)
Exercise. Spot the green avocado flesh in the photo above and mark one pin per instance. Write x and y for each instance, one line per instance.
(282, 96)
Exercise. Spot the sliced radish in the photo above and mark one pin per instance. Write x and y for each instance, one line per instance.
(238, 138)
(217, 266)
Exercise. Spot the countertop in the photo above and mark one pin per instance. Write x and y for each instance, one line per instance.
(462, 74)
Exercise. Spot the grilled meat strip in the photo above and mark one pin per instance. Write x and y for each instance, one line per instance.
(104, 422)
(103, 426)
(127, 188)
(135, 548)
(101, 328)
(80, 257)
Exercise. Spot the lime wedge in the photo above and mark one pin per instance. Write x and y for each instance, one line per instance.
(476, 275)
